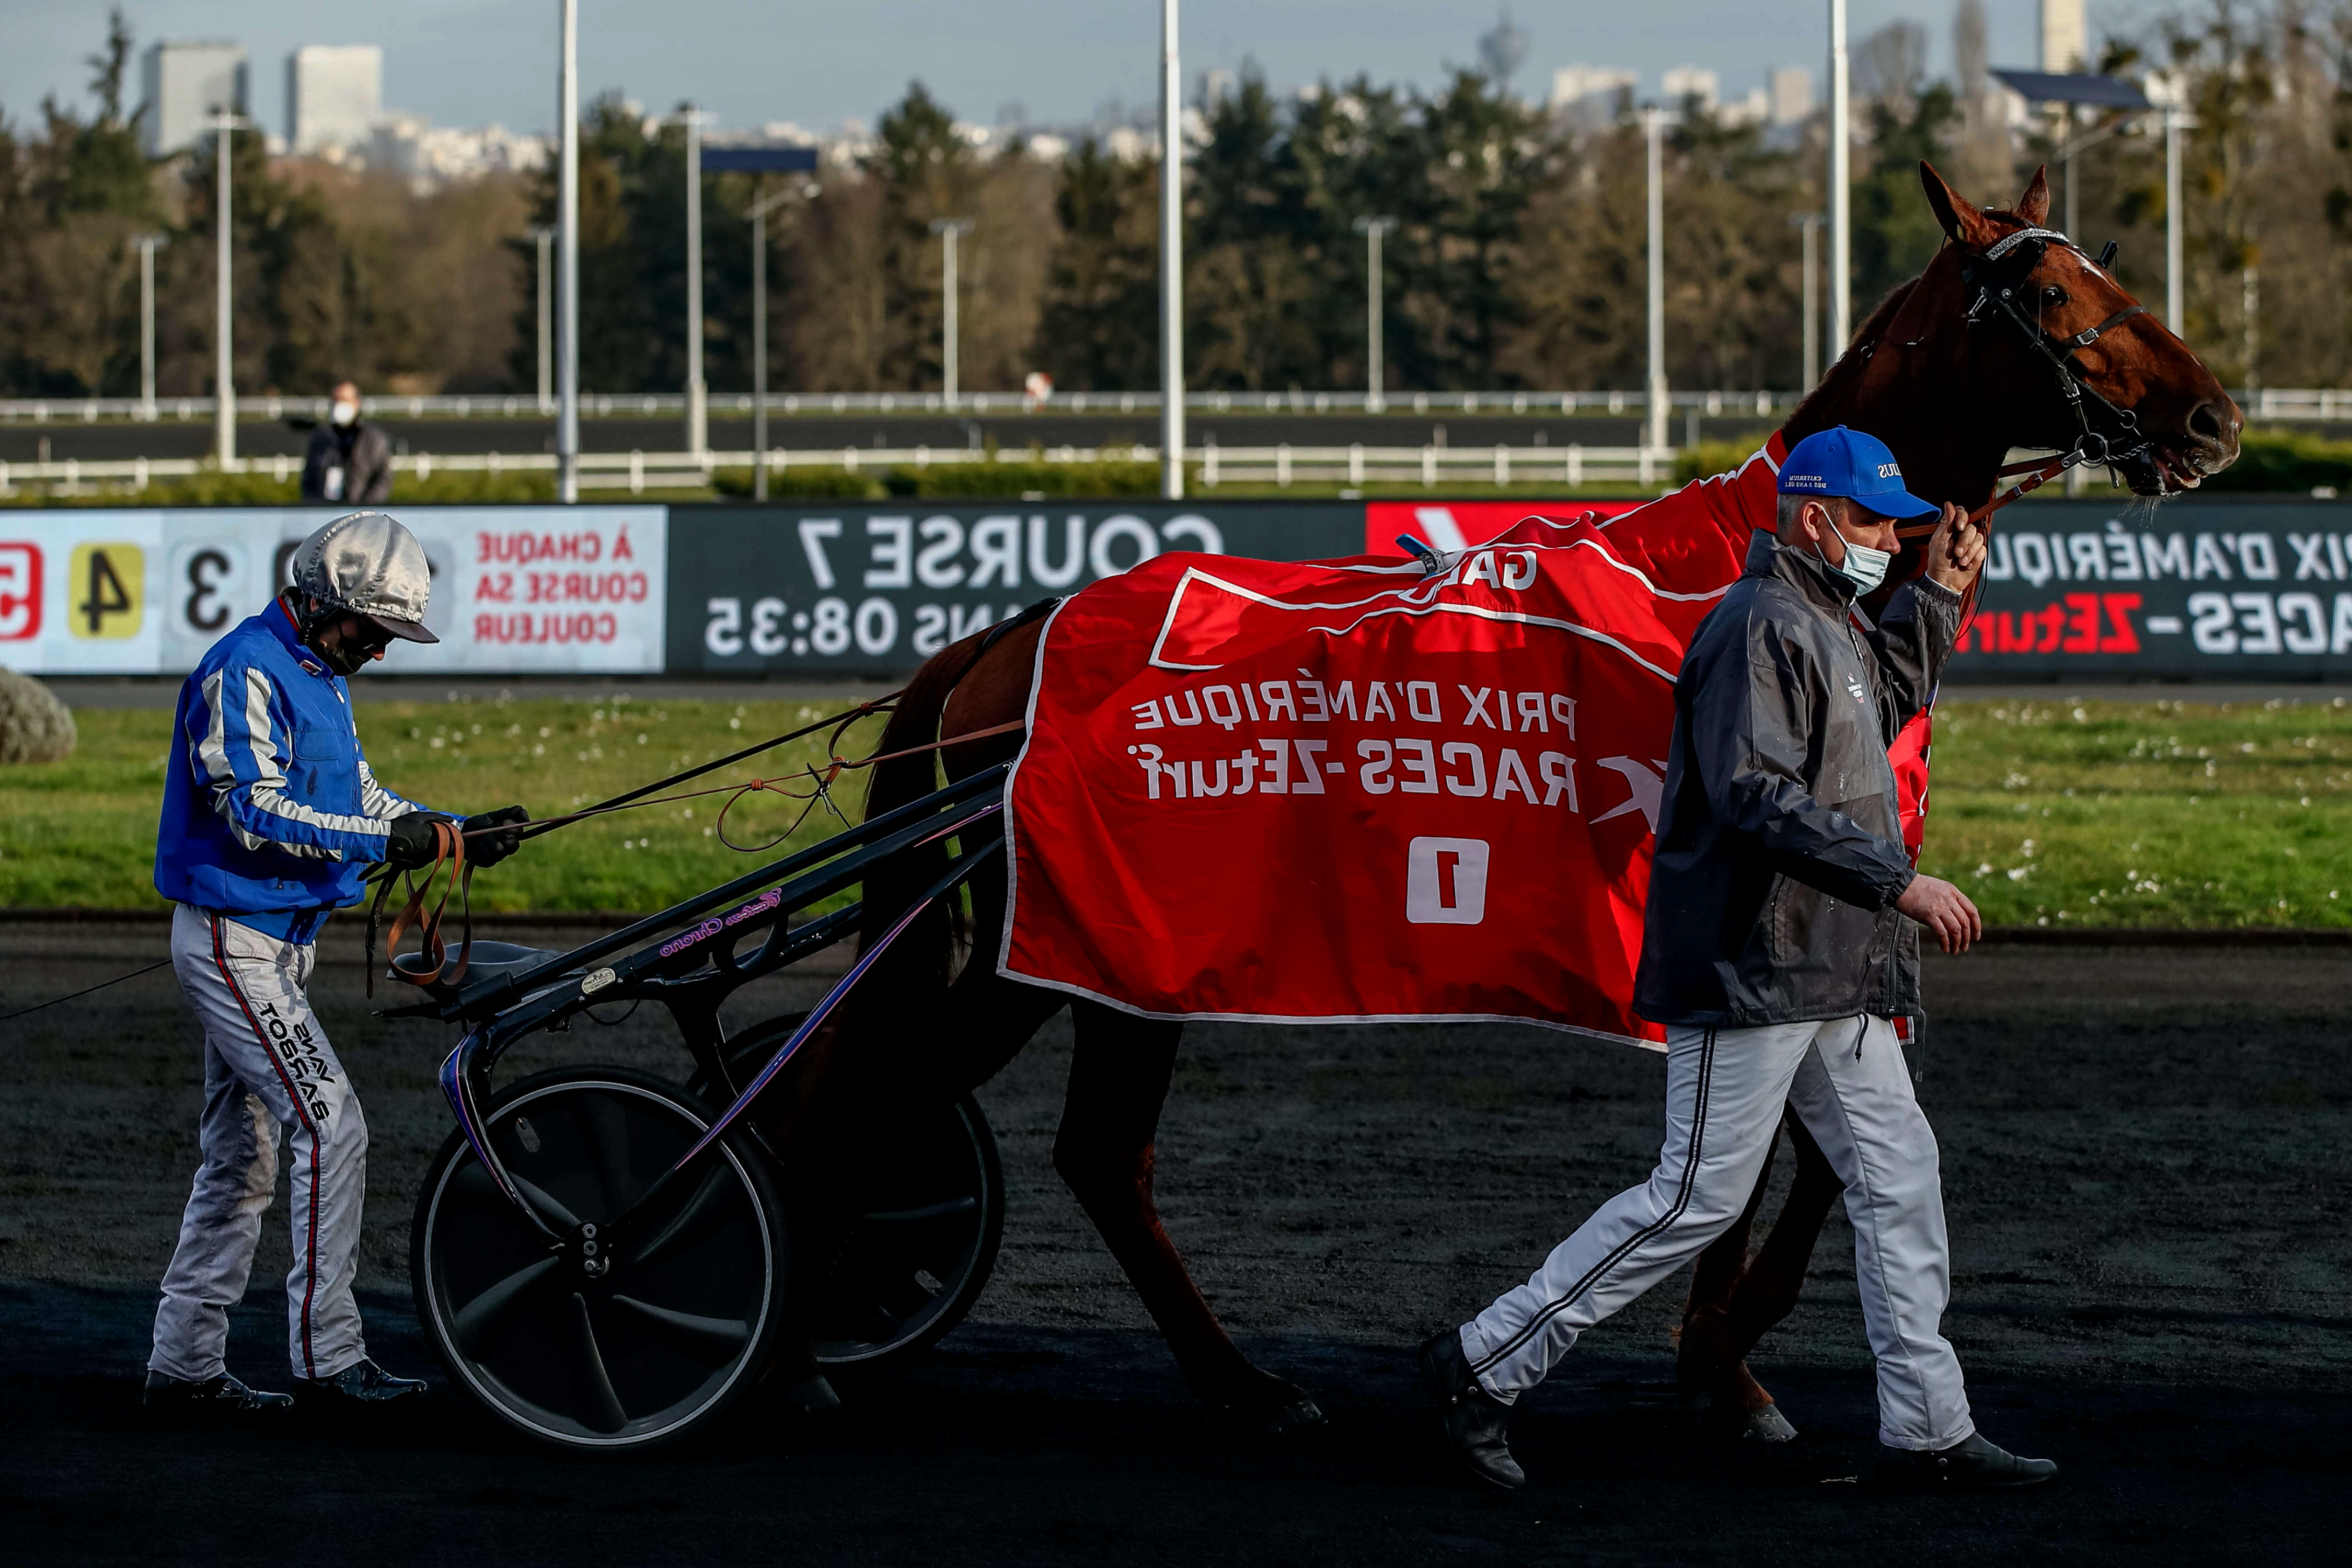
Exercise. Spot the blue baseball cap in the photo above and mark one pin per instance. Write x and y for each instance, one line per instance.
(1842, 462)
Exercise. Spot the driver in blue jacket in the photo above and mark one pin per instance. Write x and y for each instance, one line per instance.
(271, 820)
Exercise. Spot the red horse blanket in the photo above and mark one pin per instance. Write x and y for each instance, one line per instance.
(1346, 790)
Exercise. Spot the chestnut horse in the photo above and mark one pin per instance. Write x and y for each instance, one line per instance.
(1950, 393)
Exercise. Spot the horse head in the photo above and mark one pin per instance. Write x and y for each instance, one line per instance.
(2014, 337)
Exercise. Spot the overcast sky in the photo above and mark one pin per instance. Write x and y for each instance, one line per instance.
(468, 62)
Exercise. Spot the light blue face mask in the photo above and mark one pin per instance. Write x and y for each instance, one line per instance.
(1864, 567)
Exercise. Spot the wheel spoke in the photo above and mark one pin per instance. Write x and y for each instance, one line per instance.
(928, 1212)
(550, 1210)
(606, 1131)
(595, 1381)
(693, 1220)
(725, 1336)
(472, 1184)
(478, 1319)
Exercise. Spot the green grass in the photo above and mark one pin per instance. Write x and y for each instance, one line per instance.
(2092, 814)
(2145, 814)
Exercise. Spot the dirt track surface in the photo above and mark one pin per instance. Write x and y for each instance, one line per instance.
(2148, 1170)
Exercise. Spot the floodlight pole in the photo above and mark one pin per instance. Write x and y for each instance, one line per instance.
(545, 237)
(567, 230)
(2176, 283)
(2075, 145)
(760, 211)
(1171, 258)
(1653, 130)
(948, 228)
(225, 122)
(1376, 371)
(1841, 193)
(147, 245)
(1811, 222)
(698, 399)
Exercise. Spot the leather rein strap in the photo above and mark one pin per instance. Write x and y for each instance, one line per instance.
(448, 849)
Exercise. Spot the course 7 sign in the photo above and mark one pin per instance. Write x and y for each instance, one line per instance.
(877, 589)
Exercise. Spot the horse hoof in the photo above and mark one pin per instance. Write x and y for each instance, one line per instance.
(1766, 1426)
(813, 1396)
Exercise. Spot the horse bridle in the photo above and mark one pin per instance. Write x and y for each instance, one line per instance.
(1993, 277)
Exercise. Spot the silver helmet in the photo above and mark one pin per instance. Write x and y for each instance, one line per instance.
(368, 563)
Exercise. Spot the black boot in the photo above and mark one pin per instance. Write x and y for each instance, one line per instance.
(361, 1385)
(1972, 1462)
(1475, 1419)
(170, 1399)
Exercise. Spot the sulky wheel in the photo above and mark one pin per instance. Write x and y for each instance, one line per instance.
(682, 1318)
(926, 1237)
(922, 1251)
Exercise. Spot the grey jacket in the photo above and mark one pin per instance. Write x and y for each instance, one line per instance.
(364, 455)
(1779, 849)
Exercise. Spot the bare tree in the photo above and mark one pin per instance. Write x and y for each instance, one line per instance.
(1983, 162)
(1503, 50)
(1890, 64)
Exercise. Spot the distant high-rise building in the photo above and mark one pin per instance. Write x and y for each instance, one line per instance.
(2065, 41)
(1791, 90)
(185, 84)
(1588, 96)
(1682, 83)
(334, 96)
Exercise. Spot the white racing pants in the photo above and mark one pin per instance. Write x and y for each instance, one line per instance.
(267, 1064)
(1847, 1080)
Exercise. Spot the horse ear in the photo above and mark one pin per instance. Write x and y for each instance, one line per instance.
(2034, 206)
(1963, 222)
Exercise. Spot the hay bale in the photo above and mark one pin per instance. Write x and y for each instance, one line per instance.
(34, 727)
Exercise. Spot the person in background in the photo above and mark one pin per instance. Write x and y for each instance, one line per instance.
(349, 460)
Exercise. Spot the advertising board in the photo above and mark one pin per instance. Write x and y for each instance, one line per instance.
(2252, 590)
(877, 589)
(515, 589)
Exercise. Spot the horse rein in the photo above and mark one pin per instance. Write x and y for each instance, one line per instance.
(448, 849)
(450, 840)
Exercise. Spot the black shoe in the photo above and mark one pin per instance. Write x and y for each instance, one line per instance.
(1972, 1462)
(362, 1383)
(171, 1398)
(1475, 1419)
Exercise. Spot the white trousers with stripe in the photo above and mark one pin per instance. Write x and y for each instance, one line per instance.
(267, 1064)
(1846, 1079)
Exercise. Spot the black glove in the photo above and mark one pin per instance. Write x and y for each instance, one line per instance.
(410, 843)
(490, 848)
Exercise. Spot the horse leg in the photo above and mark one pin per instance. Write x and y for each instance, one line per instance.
(1767, 1288)
(831, 1125)
(1104, 1152)
(1706, 1362)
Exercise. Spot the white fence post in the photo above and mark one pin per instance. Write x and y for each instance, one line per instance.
(1502, 465)
(1282, 465)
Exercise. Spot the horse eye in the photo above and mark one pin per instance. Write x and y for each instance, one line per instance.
(2054, 295)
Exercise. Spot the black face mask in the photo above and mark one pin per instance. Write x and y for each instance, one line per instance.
(356, 644)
